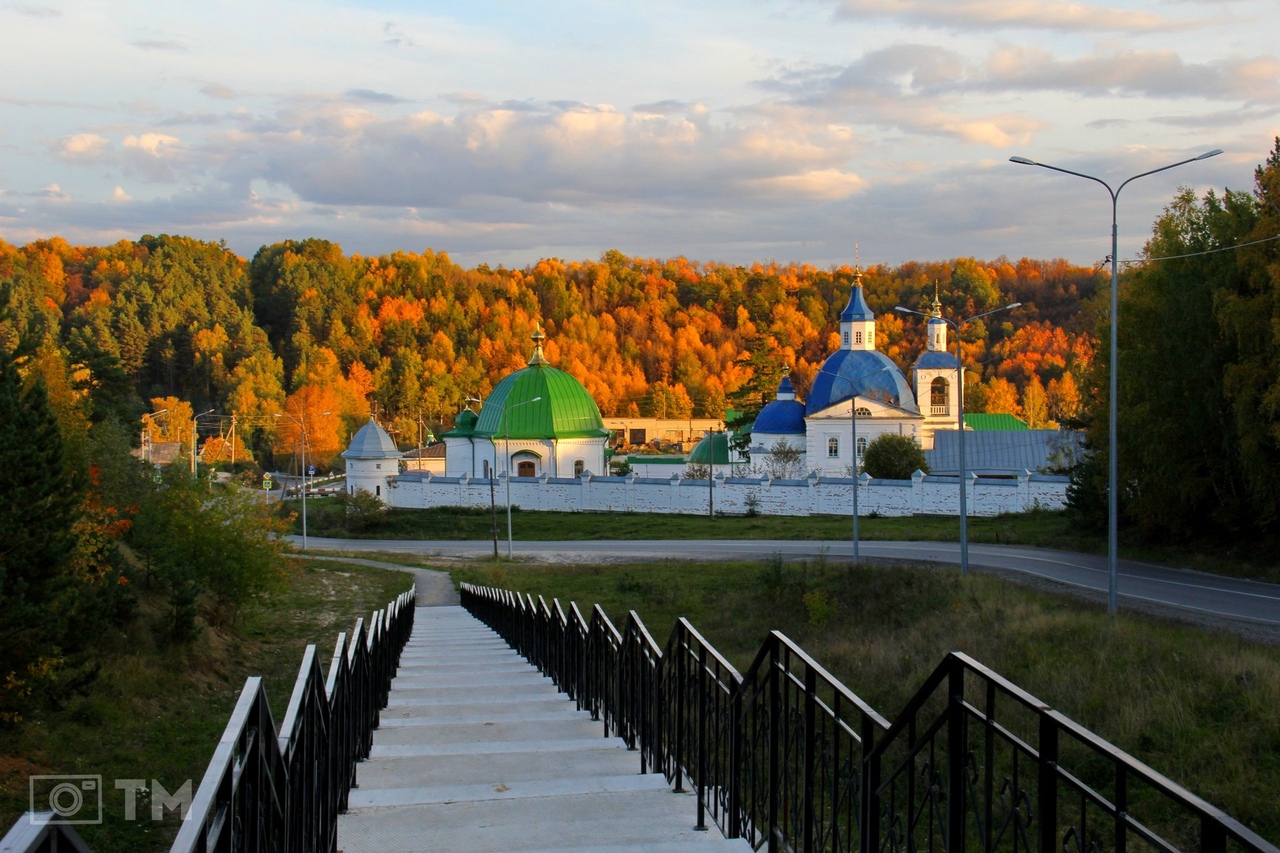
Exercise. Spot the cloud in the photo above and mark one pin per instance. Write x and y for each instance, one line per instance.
(1052, 15)
(160, 44)
(84, 147)
(372, 97)
(54, 193)
(156, 157)
(119, 195)
(31, 10)
(219, 91)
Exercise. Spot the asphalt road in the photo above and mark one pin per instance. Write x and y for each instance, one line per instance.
(1208, 597)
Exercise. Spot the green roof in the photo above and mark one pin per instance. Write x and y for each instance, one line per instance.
(714, 445)
(464, 426)
(563, 409)
(993, 423)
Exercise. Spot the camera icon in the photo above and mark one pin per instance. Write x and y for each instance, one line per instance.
(71, 799)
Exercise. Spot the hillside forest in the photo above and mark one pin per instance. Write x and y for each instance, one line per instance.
(301, 329)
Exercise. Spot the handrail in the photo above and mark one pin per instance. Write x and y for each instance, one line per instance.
(268, 791)
(786, 756)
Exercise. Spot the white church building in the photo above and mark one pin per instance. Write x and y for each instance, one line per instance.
(857, 395)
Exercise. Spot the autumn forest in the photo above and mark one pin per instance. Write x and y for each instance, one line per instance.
(171, 323)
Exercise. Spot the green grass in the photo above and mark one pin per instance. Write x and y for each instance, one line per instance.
(157, 713)
(1196, 706)
(1037, 529)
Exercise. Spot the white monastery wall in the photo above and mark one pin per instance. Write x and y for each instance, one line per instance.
(734, 495)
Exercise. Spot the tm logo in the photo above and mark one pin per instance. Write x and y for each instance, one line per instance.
(78, 799)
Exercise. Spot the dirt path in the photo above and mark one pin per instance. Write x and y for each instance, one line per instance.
(435, 589)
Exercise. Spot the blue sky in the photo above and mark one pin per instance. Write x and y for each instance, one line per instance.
(742, 130)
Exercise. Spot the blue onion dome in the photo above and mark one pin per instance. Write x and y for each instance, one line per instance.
(857, 310)
(866, 373)
(784, 416)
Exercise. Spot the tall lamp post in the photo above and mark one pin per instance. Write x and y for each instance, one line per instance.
(151, 416)
(964, 507)
(853, 447)
(195, 438)
(301, 421)
(506, 438)
(1113, 496)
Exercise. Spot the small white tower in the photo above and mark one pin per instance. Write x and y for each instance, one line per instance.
(936, 379)
(372, 460)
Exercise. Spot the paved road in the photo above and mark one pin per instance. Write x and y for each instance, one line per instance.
(1203, 594)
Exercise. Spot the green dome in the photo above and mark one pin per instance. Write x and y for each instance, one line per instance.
(714, 445)
(565, 409)
(463, 426)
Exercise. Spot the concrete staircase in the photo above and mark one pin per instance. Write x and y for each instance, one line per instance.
(477, 751)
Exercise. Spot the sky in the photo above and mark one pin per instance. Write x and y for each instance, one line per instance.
(811, 131)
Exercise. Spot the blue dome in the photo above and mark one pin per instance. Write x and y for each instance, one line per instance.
(857, 308)
(935, 360)
(781, 417)
(871, 373)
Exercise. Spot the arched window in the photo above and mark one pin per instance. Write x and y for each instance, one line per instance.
(862, 445)
(863, 412)
(857, 337)
(486, 469)
(833, 447)
(579, 465)
(938, 396)
(846, 338)
(525, 468)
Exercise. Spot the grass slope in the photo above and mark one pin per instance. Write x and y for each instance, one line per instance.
(157, 713)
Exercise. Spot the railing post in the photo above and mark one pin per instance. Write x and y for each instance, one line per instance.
(735, 760)
(775, 745)
(869, 799)
(955, 757)
(701, 781)
(1047, 784)
(810, 745)
(679, 661)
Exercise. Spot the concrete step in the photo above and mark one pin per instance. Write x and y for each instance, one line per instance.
(639, 820)
(477, 751)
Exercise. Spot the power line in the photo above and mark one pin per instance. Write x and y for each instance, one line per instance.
(1205, 252)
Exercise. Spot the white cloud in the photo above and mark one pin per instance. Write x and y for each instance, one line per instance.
(155, 144)
(85, 147)
(1022, 14)
(119, 195)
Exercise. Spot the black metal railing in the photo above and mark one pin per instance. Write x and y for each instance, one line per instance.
(787, 757)
(283, 792)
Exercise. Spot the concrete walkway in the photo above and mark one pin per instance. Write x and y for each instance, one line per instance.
(477, 751)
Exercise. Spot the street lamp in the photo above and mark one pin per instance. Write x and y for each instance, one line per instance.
(301, 421)
(853, 448)
(1113, 496)
(195, 436)
(151, 416)
(964, 507)
(506, 422)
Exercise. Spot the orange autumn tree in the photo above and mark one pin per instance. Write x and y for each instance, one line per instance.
(315, 407)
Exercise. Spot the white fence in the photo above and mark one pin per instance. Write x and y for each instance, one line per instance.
(922, 494)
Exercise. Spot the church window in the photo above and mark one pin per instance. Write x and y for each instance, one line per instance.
(862, 446)
(526, 469)
(377, 491)
(863, 412)
(846, 338)
(579, 466)
(833, 447)
(486, 469)
(938, 396)
(857, 338)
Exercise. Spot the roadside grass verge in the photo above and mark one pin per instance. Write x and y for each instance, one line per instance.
(155, 712)
(1035, 529)
(1198, 707)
